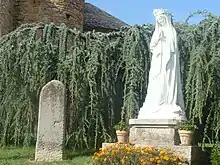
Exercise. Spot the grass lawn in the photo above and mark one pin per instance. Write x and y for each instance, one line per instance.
(25, 156)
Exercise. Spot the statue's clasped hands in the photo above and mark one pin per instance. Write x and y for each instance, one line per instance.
(161, 36)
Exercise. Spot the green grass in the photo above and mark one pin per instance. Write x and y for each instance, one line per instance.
(25, 156)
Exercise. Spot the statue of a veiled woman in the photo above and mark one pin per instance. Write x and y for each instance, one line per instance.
(164, 98)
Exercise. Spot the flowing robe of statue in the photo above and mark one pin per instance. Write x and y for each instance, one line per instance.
(164, 98)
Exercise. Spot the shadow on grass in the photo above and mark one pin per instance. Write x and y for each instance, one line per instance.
(70, 154)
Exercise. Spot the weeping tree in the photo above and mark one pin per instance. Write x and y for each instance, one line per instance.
(203, 77)
(105, 75)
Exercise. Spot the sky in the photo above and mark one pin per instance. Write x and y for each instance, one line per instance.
(140, 11)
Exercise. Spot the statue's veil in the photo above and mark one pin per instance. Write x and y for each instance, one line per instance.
(168, 29)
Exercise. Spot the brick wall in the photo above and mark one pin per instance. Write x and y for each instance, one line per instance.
(14, 13)
(6, 16)
(26, 11)
(70, 12)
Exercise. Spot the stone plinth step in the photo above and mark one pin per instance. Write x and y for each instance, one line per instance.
(153, 122)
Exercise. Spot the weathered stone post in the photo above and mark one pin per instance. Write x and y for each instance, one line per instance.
(51, 122)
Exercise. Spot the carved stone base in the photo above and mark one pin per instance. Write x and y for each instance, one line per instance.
(153, 132)
(161, 133)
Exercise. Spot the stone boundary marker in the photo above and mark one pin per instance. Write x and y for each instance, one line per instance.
(51, 122)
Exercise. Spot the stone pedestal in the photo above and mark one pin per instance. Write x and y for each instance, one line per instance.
(162, 133)
(153, 132)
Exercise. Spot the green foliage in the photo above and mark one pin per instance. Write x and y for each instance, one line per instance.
(105, 76)
(215, 155)
(122, 126)
(186, 125)
(202, 84)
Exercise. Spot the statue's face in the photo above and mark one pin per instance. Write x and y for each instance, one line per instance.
(161, 20)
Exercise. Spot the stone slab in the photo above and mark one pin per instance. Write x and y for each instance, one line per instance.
(193, 154)
(152, 122)
(51, 122)
(153, 132)
(154, 136)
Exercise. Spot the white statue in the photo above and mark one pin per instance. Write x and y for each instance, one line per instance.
(164, 98)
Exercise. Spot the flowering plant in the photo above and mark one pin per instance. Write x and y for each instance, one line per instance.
(128, 154)
(122, 126)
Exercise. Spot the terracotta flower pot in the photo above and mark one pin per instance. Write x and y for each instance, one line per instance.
(122, 136)
(185, 137)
